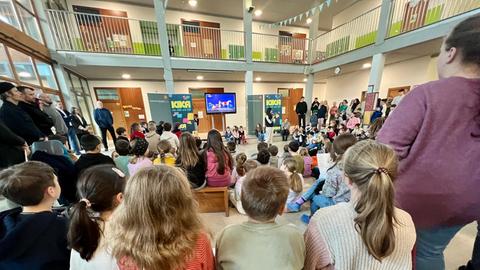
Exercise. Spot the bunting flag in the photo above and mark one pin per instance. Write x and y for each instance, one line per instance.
(306, 14)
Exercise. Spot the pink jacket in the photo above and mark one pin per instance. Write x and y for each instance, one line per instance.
(352, 122)
(214, 179)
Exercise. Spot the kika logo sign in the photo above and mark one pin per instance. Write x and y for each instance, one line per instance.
(273, 102)
(178, 104)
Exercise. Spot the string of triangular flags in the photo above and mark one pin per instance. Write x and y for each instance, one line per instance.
(300, 16)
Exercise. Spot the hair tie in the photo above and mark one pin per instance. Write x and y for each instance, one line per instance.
(87, 202)
(381, 170)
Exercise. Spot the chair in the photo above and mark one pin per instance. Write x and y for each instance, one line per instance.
(52, 147)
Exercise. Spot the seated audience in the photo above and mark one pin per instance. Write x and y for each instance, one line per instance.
(286, 154)
(66, 153)
(122, 147)
(307, 162)
(241, 135)
(232, 147)
(240, 160)
(353, 121)
(157, 225)
(100, 191)
(236, 135)
(260, 133)
(229, 135)
(218, 161)
(32, 236)
(263, 157)
(122, 134)
(333, 187)
(136, 132)
(293, 147)
(165, 156)
(176, 130)
(169, 136)
(241, 171)
(261, 243)
(139, 159)
(273, 150)
(295, 179)
(358, 132)
(152, 137)
(369, 232)
(260, 146)
(191, 161)
(93, 156)
(375, 127)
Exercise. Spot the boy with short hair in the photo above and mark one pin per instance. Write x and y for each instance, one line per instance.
(122, 148)
(293, 147)
(260, 146)
(273, 150)
(122, 134)
(244, 246)
(232, 147)
(93, 148)
(35, 237)
(263, 157)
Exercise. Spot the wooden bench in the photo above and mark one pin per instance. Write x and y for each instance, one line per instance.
(212, 199)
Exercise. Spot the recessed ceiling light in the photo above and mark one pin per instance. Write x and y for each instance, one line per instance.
(199, 77)
(258, 79)
(24, 74)
(192, 3)
(309, 20)
(126, 76)
(367, 65)
(258, 13)
(305, 79)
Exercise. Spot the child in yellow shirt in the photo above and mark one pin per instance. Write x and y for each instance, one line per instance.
(164, 154)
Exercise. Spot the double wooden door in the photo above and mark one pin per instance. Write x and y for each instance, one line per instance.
(201, 39)
(290, 98)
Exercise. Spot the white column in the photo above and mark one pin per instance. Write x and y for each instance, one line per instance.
(376, 72)
(247, 28)
(383, 22)
(162, 31)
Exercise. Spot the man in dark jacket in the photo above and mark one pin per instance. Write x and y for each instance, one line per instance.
(29, 104)
(14, 117)
(12, 147)
(104, 120)
(301, 110)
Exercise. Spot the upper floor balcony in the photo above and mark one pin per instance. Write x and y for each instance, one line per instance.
(86, 32)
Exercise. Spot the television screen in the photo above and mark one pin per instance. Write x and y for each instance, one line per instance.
(221, 103)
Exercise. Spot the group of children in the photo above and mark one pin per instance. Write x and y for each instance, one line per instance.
(236, 135)
(150, 219)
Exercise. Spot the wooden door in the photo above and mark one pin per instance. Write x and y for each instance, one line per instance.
(285, 47)
(289, 102)
(117, 113)
(395, 91)
(205, 123)
(414, 16)
(132, 106)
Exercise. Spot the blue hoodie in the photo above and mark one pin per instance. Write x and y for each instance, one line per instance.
(33, 241)
(103, 118)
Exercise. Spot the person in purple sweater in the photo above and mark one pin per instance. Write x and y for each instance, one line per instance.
(435, 131)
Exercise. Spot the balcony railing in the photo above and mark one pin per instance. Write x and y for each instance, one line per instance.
(279, 48)
(405, 16)
(357, 33)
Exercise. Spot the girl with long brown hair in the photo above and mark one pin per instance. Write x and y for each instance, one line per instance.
(218, 161)
(369, 232)
(157, 226)
(190, 160)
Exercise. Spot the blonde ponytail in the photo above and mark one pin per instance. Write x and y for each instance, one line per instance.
(294, 180)
(372, 168)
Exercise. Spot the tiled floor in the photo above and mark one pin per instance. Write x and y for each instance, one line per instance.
(457, 253)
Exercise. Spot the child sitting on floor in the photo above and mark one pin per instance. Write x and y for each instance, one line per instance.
(239, 162)
(273, 150)
(241, 134)
(139, 159)
(241, 171)
(294, 179)
(261, 242)
(122, 134)
(122, 147)
(165, 155)
(263, 157)
(307, 161)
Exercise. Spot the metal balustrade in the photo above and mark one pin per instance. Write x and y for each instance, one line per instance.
(280, 48)
(408, 15)
(357, 33)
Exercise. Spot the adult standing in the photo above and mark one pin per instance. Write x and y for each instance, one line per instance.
(104, 120)
(301, 110)
(14, 117)
(322, 113)
(30, 105)
(439, 173)
(269, 121)
(51, 111)
(285, 130)
(397, 99)
(12, 147)
(79, 123)
(72, 135)
(315, 106)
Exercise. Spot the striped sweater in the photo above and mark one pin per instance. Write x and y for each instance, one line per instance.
(333, 243)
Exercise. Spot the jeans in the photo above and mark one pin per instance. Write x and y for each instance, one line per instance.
(310, 193)
(285, 134)
(104, 135)
(301, 120)
(73, 141)
(431, 244)
(320, 201)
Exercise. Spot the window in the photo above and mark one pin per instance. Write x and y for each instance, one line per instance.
(21, 15)
(5, 69)
(7, 13)
(24, 68)
(30, 25)
(46, 75)
(107, 94)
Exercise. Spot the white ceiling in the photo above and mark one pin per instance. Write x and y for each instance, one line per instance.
(273, 10)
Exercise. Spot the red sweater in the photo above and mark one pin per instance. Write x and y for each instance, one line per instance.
(137, 134)
(203, 258)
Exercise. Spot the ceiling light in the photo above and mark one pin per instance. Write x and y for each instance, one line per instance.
(192, 3)
(309, 20)
(24, 74)
(199, 77)
(258, 13)
(126, 76)
(305, 79)
(367, 65)
(258, 79)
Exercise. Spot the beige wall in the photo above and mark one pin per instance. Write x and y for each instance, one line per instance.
(411, 72)
(357, 9)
